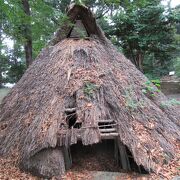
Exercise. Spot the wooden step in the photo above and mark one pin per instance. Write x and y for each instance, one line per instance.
(105, 121)
(107, 130)
(107, 125)
(109, 134)
(69, 110)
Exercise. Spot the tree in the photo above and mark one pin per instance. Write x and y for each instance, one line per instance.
(29, 24)
(143, 30)
(177, 66)
(1, 78)
(176, 13)
(26, 28)
(3, 56)
(17, 64)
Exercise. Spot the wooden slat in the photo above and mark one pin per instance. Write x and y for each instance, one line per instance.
(70, 109)
(107, 130)
(106, 125)
(105, 121)
(109, 134)
(67, 158)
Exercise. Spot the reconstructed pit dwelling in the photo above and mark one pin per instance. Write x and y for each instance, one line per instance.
(80, 88)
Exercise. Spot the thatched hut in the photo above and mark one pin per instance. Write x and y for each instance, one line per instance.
(80, 88)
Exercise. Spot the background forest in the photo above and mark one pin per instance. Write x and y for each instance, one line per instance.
(147, 32)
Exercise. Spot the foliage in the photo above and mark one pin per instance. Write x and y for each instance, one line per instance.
(79, 2)
(80, 32)
(146, 32)
(151, 90)
(89, 88)
(15, 72)
(132, 103)
(177, 55)
(143, 30)
(169, 103)
(177, 66)
(45, 18)
(156, 82)
(3, 64)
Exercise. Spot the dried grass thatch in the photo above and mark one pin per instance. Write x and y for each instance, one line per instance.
(90, 76)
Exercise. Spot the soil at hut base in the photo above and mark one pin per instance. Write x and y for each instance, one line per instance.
(96, 157)
(8, 171)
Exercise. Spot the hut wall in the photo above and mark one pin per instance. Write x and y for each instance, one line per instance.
(46, 163)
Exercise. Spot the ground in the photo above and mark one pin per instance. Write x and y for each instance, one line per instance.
(8, 171)
(3, 92)
(174, 96)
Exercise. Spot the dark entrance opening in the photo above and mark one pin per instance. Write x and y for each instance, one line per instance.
(71, 118)
(104, 156)
(96, 157)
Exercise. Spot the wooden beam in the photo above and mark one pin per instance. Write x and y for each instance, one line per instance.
(109, 135)
(123, 156)
(67, 157)
(106, 125)
(107, 130)
(105, 121)
(70, 110)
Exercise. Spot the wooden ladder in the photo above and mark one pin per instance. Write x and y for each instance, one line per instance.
(107, 129)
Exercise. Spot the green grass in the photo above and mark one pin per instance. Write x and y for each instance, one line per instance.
(3, 93)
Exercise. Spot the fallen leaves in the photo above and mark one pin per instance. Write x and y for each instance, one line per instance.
(84, 175)
(8, 171)
(89, 105)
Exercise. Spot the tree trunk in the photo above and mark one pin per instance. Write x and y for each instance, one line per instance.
(139, 60)
(1, 78)
(27, 34)
(136, 57)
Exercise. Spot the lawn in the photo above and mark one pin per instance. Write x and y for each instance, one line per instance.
(3, 92)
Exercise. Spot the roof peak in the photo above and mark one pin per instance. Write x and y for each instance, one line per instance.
(73, 5)
(83, 13)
